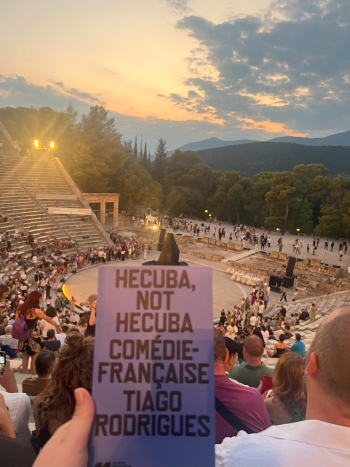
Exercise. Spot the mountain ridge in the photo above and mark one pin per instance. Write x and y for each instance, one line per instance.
(337, 139)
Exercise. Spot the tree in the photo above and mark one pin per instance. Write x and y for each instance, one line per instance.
(255, 204)
(160, 161)
(135, 151)
(283, 190)
(335, 219)
(228, 193)
(136, 186)
(90, 174)
(312, 181)
(96, 134)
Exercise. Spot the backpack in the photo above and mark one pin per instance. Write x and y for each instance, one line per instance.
(20, 330)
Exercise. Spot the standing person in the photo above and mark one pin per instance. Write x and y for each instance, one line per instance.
(341, 253)
(31, 312)
(307, 248)
(332, 246)
(91, 324)
(313, 313)
(72, 303)
(284, 294)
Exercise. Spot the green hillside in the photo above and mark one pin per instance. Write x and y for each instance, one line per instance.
(250, 159)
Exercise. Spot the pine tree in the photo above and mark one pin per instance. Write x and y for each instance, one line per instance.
(135, 152)
(160, 161)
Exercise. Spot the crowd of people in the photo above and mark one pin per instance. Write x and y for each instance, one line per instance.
(295, 411)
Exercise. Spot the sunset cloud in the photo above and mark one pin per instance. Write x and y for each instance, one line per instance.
(268, 127)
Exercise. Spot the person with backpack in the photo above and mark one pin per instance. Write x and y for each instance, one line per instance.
(27, 331)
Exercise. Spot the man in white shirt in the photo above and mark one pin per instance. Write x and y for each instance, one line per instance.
(323, 438)
(252, 320)
(61, 336)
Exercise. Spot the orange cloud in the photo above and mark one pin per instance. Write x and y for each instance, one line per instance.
(268, 126)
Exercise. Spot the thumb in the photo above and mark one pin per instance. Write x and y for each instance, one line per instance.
(82, 419)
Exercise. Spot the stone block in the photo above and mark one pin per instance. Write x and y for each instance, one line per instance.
(208, 257)
(223, 245)
(274, 254)
(245, 267)
(237, 247)
(205, 239)
(315, 262)
(253, 269)
(212, 241)
(218, 243)
(229, 246)
(283, 256)
(262, 272)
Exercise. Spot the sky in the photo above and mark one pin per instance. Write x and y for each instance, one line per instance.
(183, 70)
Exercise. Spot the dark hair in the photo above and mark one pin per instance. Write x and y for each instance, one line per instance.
(231, 346)
(219, 347)
(32, 301)
(50, 333)
(282, 337)
(298, 336)
(51, 311)
(44, 362)
(3, 289)
(65, 328)
(73, 369)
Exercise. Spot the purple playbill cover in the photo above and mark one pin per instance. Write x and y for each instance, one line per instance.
(153, 381)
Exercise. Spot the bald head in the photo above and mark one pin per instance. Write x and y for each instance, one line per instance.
(253, 346)
(332, 348)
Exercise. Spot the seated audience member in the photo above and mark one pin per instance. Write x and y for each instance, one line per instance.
(62, 334)
(81, 325)
(17, 403)
(245, 403)
(73, 369)
(298, 346)
(3, 323)
(323, 438)
(287, 332)
(278, 332)
(43, 365)
(286, 402)
(51, 343)
(279, 349)
(8, 344)
(232, 329)
(13, 451)
(241, 339)
(264, 333)
(304, 315)
(232, 348)
(45, 325)
(252, 370)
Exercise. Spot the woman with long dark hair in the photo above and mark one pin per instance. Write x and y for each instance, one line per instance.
(72, 370)
(31, 312)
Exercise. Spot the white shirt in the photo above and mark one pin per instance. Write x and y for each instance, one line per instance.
(252, 320)
(19, 407)
(45, 326)
(61, 337)
(302, 444)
